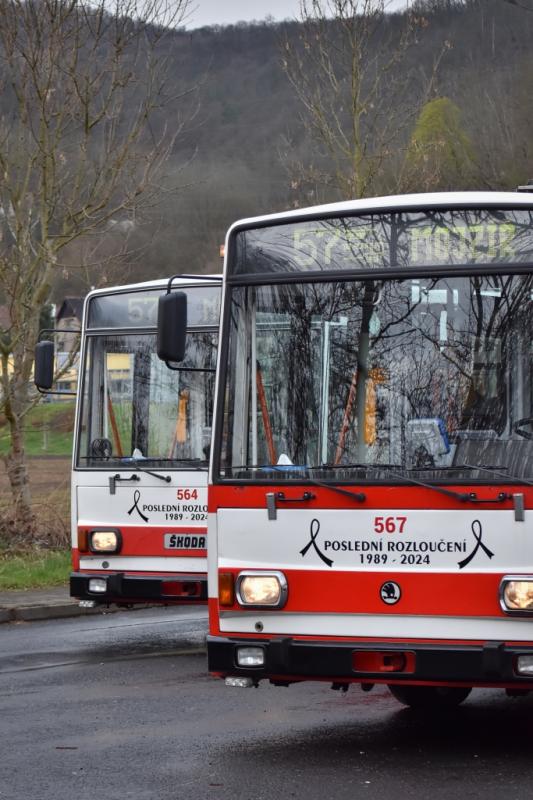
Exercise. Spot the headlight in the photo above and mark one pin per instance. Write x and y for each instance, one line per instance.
(516, 594)
(105, 541)
(267, 589)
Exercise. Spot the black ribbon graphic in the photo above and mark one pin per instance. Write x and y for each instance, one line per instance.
(478, 536)
(315, 527)
(136, 498)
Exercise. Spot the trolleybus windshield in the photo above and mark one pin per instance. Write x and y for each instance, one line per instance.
(358, 377)
(135, 410)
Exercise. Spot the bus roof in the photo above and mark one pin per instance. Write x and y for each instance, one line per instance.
(421, 200)
(160, 283)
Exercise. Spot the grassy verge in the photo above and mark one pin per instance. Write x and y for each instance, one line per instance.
(34, 570)
(47, 430)
(50, 488)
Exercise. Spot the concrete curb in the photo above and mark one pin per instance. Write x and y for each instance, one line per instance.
(34, 613)
(5, 615)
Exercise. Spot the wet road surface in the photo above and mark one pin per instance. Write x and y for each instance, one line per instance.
(147, 633)
(116, 707)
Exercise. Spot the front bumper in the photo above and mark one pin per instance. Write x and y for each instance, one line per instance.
(288, 660)
(126, 588)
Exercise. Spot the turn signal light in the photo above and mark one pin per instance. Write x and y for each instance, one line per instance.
(226, 589)
(83, 539)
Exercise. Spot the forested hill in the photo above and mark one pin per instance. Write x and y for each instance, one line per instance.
(244, 148)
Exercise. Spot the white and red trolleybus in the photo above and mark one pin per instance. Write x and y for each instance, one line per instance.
(141, 447)
(370, 493)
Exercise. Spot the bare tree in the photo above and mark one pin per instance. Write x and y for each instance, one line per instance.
(80, 86)
(351, 68)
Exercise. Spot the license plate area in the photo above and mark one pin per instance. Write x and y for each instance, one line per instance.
(387, 661)
(181, 589)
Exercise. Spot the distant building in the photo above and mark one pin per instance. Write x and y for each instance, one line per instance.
(67, 319)
(68, 316)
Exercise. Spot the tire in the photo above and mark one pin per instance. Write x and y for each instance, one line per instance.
(430, 697)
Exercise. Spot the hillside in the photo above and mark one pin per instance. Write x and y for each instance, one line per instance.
(244, 129)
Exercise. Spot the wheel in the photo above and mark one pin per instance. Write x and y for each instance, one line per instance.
(430, 696)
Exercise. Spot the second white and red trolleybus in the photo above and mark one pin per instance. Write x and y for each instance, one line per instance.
(370, 491)
(141, 447)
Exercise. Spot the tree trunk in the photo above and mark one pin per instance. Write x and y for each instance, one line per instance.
(15, 463)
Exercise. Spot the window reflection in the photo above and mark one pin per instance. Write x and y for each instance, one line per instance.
(418, 373)
(134, 406)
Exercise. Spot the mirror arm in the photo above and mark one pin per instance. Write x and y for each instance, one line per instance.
(40, 338)
(56, 330)
(188, 277)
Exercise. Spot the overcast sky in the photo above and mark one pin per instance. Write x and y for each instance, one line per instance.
(227, 12)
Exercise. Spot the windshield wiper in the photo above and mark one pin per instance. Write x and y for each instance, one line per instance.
(359, 496)
(287, 469)
(130, 459)
(200, 464)
(494, 471)
(166, 478)
(491, 469)
(191, 463)
(463, 497)
(329, 467)
(293, 469)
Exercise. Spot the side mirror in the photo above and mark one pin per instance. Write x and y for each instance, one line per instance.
(172, 326)
(44, 366)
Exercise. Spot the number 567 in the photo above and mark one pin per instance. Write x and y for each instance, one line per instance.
(389, 524)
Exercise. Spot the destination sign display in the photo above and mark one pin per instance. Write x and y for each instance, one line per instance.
(378, 241)
(139, 309)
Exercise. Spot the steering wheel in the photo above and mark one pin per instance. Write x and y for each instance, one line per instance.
(518, 425)
(101, 448)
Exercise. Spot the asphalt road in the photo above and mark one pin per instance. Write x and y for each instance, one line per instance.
(117, 707)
